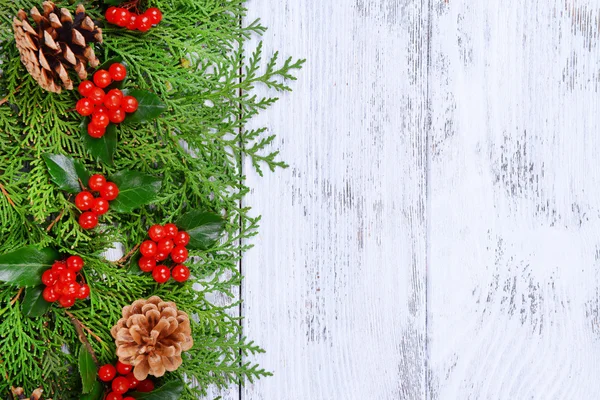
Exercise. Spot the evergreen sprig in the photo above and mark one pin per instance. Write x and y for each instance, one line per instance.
(194, 60)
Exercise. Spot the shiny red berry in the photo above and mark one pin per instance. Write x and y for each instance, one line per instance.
(154, 14)
(110, 14)
(132, 24)
(182, 238)
(59, 266)
(83, 292)
(145, 386)
(148, 248)
(102, 78)
(146, 264)
(180, 273)
(116, 92)
(112, 101)
(67, 276)
(157, 232)
(96, 95)
(143, 23)
(85, 88)
(96, 182)
(75, 263)
(100, 206)
(117, 115)
(69, 288)
(107, 373)
(50, 295)
(120, 385)
(88, 220)
(179, 254)
(133, 382)
(123, 368)
(129, 104)
(161, 256)
(171, 231)
(66, 301)
(84, 200)
(49, 277)
(84, 107)
(117, 71)
(161, 273)
(129, 397)
(165, 245)
(100, 119)
(95, 131)
(122, 17)
(113, 396)
(110, 191)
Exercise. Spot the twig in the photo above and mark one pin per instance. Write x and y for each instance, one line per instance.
(122, 260)
(7, 196)
(14, 300)
(79, 327)
(4, 100)
(55, 220)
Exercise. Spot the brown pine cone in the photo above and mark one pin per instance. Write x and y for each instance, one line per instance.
(151, 336)
(55, 43)
(19, 393)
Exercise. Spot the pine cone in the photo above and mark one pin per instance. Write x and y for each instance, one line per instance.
(151, 336)
(19, 393)
(55, 43)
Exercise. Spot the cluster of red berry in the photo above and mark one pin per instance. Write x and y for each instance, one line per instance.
(61, 282)
(132, 21)
(121, 384)
(166, 240)
(104, 107)
(94, 206)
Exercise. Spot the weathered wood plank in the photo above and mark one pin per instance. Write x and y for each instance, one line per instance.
(335, 287)
(514, 246)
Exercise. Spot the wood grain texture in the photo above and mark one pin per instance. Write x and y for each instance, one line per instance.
(335, 287)
(514, 200)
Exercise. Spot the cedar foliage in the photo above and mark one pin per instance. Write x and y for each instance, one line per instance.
(194, 60)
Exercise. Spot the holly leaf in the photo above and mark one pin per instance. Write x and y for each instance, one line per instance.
(204, 228)
(102, 149)
(95, 393)
(150, 106)
(33, 304)
(169, 391)
(66, 172)
(135, 190)
(87, 369)
(24, 267)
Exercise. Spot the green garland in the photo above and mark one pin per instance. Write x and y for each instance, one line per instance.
(194, 62)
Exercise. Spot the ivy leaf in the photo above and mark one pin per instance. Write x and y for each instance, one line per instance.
(102, 149)
(87, 369)
(150, 106)
(66, 172)
(33, 304)
(169, 391)
(24, 267)
(95, 393)
(204, 228)
(135, 190)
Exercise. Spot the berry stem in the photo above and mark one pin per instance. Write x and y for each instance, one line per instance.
(55, 220)
(79, 327)
(123, 259)
(14, 300)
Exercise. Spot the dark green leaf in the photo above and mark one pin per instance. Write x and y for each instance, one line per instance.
(87, 369)
(169, 391)
(24, 267)
(135, 190)
(204, 228)
(66, 172)
(33, 303)
(102, 149)
(150, 106)
(118, 59)
(113, 2)
(94, 394)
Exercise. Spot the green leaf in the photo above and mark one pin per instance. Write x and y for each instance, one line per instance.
(24, 267)
(118, 59)
(102, 149)
(135, 190)
(150, 106)
(94, 394)
(204, 228)
(87, 369)
(66, 172)
(33, 304)
(169, 391)
(113, 2)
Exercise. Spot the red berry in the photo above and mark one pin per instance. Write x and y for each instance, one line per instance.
(113, 396)
(75, 263)
(165, 245)
(100, 206)
(107, 373)
(122, 17)
(148, 248)
(110, 191)
(179, 254)
(161, 256)
(59, 266)
(147, 264)
(123, 368)
(66, 301)
(110, 14)
(84, 200)
(145, 386)
(117, 71)
(69, 288)
(116, 92)
(132, 24)
(120, 385)
(85, 88)
(154, 14)
(133, 383)
(96, 182)
(117, 115)
(100, 119)
(112, 101)
(161, 273)
(156, 232)
(128, 398)
(49, 277)
(88, 220)
(96, 95)
(95, 131)
(50, 295)
(143, 23)
(83, 292)
(102, 78)
(129, 104)
(182, 238)
(171, 231)
(68, 275)
(180, 273)
(84, 107)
